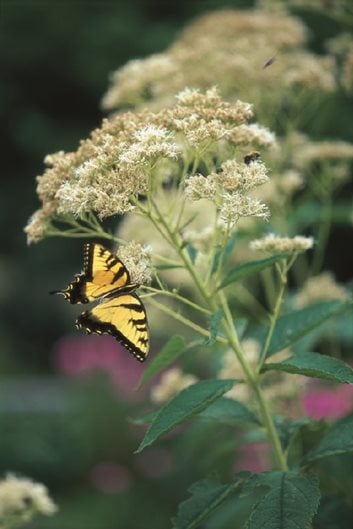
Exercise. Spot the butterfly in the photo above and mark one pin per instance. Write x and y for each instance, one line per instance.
(120, 312)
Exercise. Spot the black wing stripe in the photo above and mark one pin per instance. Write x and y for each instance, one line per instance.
(139, 322)
(119, 274)
(133, 306)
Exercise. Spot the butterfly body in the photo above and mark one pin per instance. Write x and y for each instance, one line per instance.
(120, 312)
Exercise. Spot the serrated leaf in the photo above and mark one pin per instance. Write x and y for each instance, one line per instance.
(189, 402)
(227, 410)
(292, 326)
(337, 440)
(170, 352)
(314, 365)
(290, 503)
(215, 321)
(252, 267)
(207, 495)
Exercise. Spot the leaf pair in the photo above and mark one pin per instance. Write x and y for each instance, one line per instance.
(289, 500)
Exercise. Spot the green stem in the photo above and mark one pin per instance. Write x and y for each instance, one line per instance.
(253, 381)
(232, 338)
(266, 417)
(274, 316)
(185, 321)
(173, 294)
(79, 234)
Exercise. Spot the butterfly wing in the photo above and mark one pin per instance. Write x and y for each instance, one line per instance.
(124, 317)
(103, 274)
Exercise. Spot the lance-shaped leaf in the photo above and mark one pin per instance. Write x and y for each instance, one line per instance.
(170, 352)
(337, 440)
(223, 410)
(290, 503)
(189, 402)
(294, 325)
(225, 253)
(252, 267)
(207, 495)
(227, 410)
(314, 365)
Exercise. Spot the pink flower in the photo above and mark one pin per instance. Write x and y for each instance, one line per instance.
(325, 402)
(80, 356)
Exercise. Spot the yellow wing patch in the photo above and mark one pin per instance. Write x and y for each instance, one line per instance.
(124, 317)
(121, 312)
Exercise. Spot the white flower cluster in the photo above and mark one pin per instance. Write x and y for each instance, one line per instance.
(230, 190)
(21, 499)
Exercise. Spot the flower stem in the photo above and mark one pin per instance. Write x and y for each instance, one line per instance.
(253, 381)
(185, 321)
(213, 303)
(274, 316)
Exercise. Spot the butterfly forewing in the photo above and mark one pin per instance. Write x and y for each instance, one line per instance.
(103, 274)
(124, 317)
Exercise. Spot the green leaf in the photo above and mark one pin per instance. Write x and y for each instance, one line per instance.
(172, 350)
(207, 495)
(250, 268)
(292, 326)
(314, 365)
(241, 325)
(223, 410)
(145, 419)
(167, 266)
(191, 251)
(189, 402)
(290, 503)
(226, 252)
(337, 440)
(227, 410)
(311, 212)
(304, 438)
(215, 321)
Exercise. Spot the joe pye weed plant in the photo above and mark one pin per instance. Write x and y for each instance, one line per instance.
(188, 183)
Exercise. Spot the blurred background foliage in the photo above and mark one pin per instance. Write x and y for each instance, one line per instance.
(73, 434)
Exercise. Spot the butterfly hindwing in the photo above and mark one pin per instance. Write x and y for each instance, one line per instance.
(123, 317)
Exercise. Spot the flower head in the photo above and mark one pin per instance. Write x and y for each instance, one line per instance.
(274, 243)
(137, 259)
(151, 143)
(133, 153)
